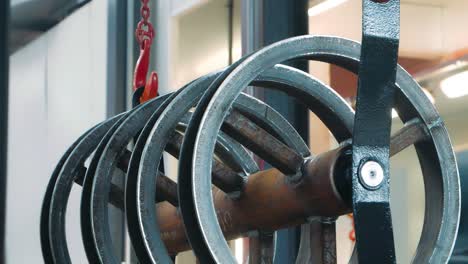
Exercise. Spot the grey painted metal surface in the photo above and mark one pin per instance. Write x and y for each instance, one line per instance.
(4, 74)
(31, 18)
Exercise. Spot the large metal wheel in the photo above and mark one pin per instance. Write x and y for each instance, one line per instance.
(54, 206)
(433, 148)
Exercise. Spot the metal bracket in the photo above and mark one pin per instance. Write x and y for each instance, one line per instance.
(371, 137)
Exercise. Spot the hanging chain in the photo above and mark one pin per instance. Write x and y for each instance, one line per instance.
(144, 30)
(144, 90)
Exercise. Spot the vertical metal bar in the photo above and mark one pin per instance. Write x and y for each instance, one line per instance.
(283, 19)
(4, 72)
(116, 57)
(116, 97)
(252, 25)
(263, 23)
(328, 243)
(261, 249)
(252, 30)
(230, 7)
(372, 127)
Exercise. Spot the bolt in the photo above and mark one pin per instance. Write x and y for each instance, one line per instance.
(371, 175)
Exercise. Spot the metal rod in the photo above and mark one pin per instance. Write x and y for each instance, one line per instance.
(228, 180)
(166, 188)
(328, 237)
(269, 148)
(230, 7)
(268, 203)
(261, 248)
(413, 132)
(223, 177)
(4, 72)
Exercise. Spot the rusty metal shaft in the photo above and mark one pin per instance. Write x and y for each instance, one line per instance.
(269, 202)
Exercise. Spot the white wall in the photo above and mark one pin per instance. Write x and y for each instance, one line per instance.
(439, 27)
(454, 24)
(423, 20)
(57, 91)
(192, 40)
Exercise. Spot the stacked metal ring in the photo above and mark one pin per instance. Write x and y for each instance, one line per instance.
(201, 125)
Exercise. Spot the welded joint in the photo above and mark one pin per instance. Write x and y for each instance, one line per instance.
(296, 178)
(237, 194)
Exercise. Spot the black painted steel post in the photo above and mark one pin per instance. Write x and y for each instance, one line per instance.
(4, 66)
(371, 137)
(284, 19)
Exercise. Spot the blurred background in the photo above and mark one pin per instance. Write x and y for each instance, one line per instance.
(72, 62)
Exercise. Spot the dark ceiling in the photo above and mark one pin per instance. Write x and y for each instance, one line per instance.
(30, 18)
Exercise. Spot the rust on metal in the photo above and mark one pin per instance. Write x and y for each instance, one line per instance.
(269, 202)
(223, 177)
(266, 146)
(166, 189)
(413, 132)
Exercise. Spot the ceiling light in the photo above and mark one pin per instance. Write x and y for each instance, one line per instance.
(324, 6)
(455, 85)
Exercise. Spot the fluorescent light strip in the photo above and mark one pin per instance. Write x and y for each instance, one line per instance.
(324, 6)
(456, 85)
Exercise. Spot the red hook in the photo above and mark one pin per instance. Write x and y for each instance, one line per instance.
(144, 34)
(141, 70)
(151, 88)
(142, 65)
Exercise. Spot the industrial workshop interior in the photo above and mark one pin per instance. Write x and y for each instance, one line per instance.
(234, 131)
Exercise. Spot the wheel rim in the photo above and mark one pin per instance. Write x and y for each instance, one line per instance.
(344, 53)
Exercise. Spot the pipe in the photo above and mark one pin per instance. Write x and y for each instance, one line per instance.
(269, 202)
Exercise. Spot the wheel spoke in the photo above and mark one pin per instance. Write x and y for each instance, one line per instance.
(269, 148)
(261, 248)
(223, 177)
(413, 132)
